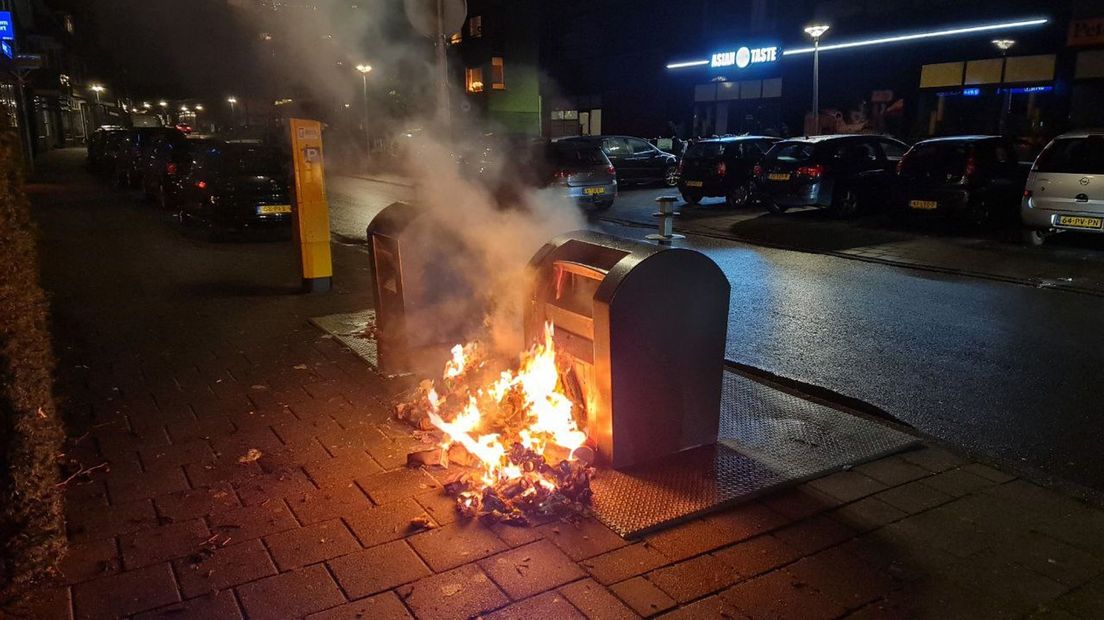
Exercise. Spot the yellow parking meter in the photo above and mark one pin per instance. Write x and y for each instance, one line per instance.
(312, 210)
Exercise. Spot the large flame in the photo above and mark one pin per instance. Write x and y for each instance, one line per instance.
(547, 413)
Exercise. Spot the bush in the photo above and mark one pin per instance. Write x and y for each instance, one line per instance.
(32, 536)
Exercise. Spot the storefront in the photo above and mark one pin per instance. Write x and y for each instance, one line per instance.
(1086, 42)
(738, 90)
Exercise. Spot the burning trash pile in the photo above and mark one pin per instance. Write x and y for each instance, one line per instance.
(514, 431)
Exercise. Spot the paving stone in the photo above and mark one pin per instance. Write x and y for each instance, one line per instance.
(218, 606)
(846, 578)
(125, 593)
(515, 536)
(85, 525)
(1080, 527)
(196, 503)
(52, 603)
(290, 595)
(458, 543)
(342, 469)
(1086, 601)
(439, 506)
(581, 539)
(694, 578)
(89, 560)
(778, 595)
(125, 488)
(623, 563)
(292, 457)
(253, 521)
(396, 485)
(946, 530)
(867, 514)
(175, 455)
(642, 596)
(992, 574)
(311, 544)
(957, 482)
(596, 601)
(386, 606)
(534, 568)
(709, 607)
(989, 473)
(1051, 557)
(377, 569)
(463, 592)
(814, 534)
(744, 522)
(386, 523)
(329, 503)
(914, 497)
(893, 471)
(688, 539)
(226, 567)
(847, 486)
(547, 606)
(800, 503)
(758, 555)
(211, 427)
(933, 459)
(166, 542)
(221, 470)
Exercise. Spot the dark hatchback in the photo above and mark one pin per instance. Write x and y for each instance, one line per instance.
(169, 162)
(972, 178)
(131, 161)
(722, 167)
(841, 173)
(98, 146)
(636, 160)
(236, 187)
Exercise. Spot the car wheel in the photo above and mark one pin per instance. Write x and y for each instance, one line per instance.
(738, 197)
(691, 199)
(671, 176)
(845, 203)
(774, 207)
(1034, 237)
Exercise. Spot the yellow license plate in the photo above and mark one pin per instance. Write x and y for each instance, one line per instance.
(778, 176)
(273, 209)
(1073, 221)
(694, 184)
(594, 191)
(925, 205)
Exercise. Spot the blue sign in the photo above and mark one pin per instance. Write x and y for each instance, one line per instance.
(1026, 90)
(7, 50)
(7, 26)
(971, 92)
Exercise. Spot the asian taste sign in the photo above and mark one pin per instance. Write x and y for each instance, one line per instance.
(744, 57)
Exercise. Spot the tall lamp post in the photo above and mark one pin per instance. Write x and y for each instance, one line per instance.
(1006, 105)
(364, 70)
(98, 116)
(233, 101)
(816, 32)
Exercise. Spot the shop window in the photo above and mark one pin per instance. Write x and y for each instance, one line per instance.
(474, 80)
(475, 26)
(498, 76)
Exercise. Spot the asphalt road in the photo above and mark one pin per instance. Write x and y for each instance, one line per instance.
(1002, 370)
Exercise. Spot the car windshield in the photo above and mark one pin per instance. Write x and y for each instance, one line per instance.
(703, 150)
(793, 151)
(1073, 156)
(255, 161)
(567, 154)
(937, 158)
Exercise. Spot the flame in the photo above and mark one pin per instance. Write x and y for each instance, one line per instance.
(534, 389)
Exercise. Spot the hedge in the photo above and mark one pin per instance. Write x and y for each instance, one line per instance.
(32, 534)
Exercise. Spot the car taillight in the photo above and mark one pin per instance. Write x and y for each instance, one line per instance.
(812, 172)
(561, 175)
(722, 169)
(612, 171)
(757, 170)
(901, 164)
(201, 184)
(170, 169)
(1028, 193)
(971, 167)
(680, 166)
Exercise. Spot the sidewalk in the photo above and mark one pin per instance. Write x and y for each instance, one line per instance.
(180, 357)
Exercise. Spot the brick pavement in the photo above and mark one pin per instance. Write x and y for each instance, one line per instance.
(179, 357)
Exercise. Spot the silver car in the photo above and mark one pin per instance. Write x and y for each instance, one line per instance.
(1065, 190)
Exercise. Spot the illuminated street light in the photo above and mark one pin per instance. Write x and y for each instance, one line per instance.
(816, 32)
(931, 34)
(1004, 45)
(96, 88)
(146, 105)
(163, 103)
(199, 107)
(365, 69)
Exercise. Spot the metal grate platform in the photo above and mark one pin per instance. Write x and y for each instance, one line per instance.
(350, 329)
(770, 439)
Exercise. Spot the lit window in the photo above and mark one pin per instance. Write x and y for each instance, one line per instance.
(456, 39)
(498, 79)
(475, 26)
(474, 80)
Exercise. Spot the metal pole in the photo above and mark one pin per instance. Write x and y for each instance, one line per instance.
(816, 86)
(442, 68)
(367, 138)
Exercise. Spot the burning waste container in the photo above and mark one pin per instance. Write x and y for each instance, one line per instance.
(644, 328)
(424, 293)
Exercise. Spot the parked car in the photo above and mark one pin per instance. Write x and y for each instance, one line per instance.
(131, 161)
(97, 146)
(635, 159)
(722, 167)
(116, 144)
(584, 172)
(1065, 189)
(234, 187)
(974, 178)
(168, 163)
(841, 173)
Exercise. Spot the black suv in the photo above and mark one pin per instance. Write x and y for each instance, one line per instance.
(973, 178)
(722, 167)
(636, 160)
(842, 173)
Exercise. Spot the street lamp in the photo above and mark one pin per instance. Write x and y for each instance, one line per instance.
(1004, 45)
(146, 105)
(816, 32)
(233, 101)
(163, 103)
(96, 88)
(365, 69)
